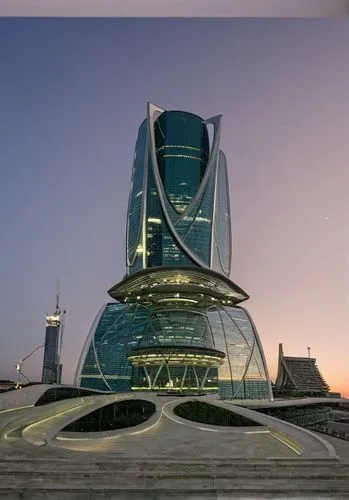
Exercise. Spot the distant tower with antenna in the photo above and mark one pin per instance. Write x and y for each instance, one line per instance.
(52, 367)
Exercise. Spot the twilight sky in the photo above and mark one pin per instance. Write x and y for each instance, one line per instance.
(72, 95)
(175, 8)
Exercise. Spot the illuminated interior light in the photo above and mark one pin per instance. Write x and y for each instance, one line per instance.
(182, 156)
(53, 320)
(202, 219)
(178, 299)
(154, 220)
(161, 148)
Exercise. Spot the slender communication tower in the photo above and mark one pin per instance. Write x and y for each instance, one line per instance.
(52, 367)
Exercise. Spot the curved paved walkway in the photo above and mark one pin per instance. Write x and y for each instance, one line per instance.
(164, 455)
(164, 434)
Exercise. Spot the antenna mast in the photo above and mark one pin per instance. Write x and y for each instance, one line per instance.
(57, 297)
(61, 315)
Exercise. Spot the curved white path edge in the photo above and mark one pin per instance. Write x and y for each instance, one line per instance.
(309, 441)
(168, 411)
(311, 444)
(43, 425)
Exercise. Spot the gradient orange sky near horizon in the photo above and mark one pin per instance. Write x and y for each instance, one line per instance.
(73, 93)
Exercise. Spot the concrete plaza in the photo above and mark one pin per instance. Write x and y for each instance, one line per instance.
(165, 457)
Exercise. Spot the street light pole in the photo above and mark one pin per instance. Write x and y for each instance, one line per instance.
(20, 364)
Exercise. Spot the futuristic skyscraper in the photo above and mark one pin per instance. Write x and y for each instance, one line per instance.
(175, 323)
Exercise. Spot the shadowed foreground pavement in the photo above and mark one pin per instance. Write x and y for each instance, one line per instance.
(165, 457)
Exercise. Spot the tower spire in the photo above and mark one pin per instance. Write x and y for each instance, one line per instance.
(57, 296)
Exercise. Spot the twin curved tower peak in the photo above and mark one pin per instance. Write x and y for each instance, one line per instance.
(179, 212)
(175, 323)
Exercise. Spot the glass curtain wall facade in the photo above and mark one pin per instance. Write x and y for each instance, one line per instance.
(52, 369)
(175, 323)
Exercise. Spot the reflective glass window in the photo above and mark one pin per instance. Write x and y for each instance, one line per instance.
(182, 151)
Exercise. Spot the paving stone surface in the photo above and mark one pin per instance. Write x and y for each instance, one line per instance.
(165, 458)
